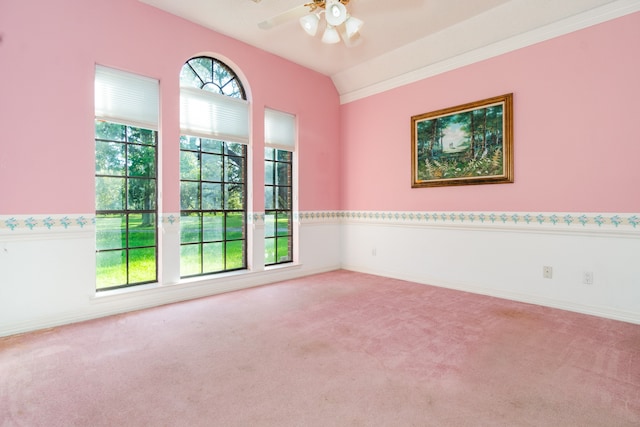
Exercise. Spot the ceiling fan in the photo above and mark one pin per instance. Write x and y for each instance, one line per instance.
(338, 23)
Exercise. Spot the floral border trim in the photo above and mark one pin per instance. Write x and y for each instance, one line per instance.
(544, 219)
(59, 223)
(70, 222)
(551, 220)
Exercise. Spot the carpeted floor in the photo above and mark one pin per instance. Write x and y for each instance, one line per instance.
(335, 349)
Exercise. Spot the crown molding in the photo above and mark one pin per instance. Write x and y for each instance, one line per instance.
(613, 10)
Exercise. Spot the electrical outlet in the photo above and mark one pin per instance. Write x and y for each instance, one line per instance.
(547, 272)
(374, 252)
(587, 278)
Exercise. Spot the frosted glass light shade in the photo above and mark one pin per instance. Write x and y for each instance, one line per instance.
(336, 13)
(310, 23)
(330, 35)
(352, 25)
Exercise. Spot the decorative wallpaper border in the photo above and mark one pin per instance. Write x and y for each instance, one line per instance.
(546, 219)
(628, 222)
(35, 223)
(15, 224)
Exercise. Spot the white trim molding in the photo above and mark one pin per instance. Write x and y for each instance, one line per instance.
(351, 88)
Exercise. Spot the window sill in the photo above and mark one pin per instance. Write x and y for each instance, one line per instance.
(211, 278)
(127, 290)
(284, 266)
(250, 276)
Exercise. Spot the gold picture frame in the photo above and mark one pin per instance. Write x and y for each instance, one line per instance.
(464, 145)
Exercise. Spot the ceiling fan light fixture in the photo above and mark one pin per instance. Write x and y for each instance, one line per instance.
(352, 26)
(335, 13)
(310, 23)
(354, 40)
(330, 35)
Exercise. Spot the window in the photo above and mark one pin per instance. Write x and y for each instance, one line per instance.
(211, 75)
(212, 202)
(213, 163)
(278, 245)
(280, 134)
(126, 143)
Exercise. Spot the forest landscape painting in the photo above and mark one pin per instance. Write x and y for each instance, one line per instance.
(466, 144)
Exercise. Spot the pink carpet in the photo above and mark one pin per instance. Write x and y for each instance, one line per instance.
(335, 349)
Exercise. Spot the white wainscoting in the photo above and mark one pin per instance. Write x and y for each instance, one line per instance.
(503, 254)
(47, 269)
(47, 263)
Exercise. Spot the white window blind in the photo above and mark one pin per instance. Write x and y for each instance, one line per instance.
(211, 115)
(279, 129)
(126, 98)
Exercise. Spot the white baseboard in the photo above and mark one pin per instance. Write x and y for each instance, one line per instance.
(605, 312)
(103, 306)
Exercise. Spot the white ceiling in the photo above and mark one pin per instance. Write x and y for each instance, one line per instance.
(402, 40)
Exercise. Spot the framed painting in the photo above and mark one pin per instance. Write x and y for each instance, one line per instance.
(463, 145)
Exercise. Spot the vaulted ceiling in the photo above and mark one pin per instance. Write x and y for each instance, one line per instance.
(401, 40)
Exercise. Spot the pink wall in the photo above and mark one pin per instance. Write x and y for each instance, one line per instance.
(575, 102)
(576, 132)
(47, 57)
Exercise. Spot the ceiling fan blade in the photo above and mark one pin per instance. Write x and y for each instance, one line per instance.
(296, 12)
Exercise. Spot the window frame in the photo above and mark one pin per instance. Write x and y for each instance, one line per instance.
(200, 211)
(272, 187)
(201, 89)
(127, 212)
(280, 137)
(128, 101)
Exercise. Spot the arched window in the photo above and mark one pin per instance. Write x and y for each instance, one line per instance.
(213, 168)
(211, 75)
